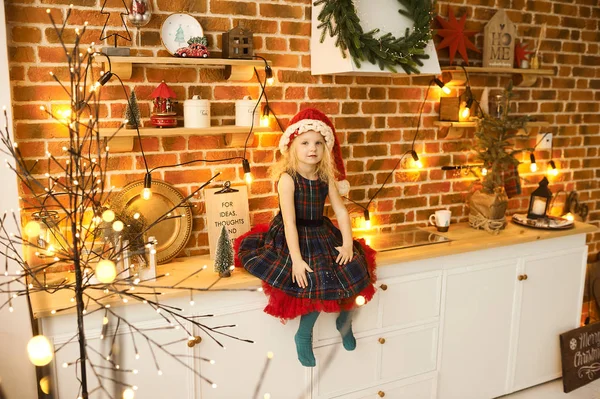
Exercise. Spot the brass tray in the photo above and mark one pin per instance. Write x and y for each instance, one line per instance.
(174, 232)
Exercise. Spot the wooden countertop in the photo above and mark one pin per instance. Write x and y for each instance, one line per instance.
(463, 239)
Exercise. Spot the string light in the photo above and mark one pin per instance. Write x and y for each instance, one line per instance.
(247, 172)
(264, 119)
(367, 219)
(466, 112)
(147, 191)
(108, 216)
(269, 75)
(416, 159)
(39, 350)
(442, 86)
(552, 170)
(106, 271)
(32, 229)
(484, 171)
(532, 165)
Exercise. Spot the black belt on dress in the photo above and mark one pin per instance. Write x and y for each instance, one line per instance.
(309, 222)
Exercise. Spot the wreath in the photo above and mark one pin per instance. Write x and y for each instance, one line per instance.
(338, 17)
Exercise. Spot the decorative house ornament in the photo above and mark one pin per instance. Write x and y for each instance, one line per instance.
(237, 43)
(196, 113)
(499, 42)
(163, 115)
(455, 36)
(539, 201)
(362, 45)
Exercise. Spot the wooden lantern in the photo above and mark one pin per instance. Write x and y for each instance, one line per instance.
(237, 43)
(499, 42)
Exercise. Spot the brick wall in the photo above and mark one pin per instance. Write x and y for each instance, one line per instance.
(375, 116)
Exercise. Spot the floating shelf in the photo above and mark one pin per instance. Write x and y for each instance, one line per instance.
(456, 129)
(525, 77)
(473, 124)
(234, 136)
(235, 69)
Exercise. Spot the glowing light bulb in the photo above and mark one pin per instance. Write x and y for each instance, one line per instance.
(32, 229)
(465, 113)
(484, 171)
(106, 271)
(128, 394)
(108, 216)
(247, 171)
(39, 350)
(146, 194)
(264, 120)
(533, 167)
(360, 300)
(569, 216)
(118, 226)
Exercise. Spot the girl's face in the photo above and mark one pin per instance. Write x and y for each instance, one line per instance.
(310, 147)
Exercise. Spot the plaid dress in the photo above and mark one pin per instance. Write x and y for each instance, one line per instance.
(331, 287)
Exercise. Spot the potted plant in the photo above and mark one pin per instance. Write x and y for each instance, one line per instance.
(494, 146)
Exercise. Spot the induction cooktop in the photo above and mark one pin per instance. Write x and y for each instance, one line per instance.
(405, 239)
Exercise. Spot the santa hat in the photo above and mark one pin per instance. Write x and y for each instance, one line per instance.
(313, 119)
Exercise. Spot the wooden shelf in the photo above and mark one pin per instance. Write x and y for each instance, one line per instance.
(234, 136)
(457, 129)
(524, 77)
(473, 124)
(235, 69)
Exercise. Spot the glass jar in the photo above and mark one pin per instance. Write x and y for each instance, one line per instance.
(140, 12)
(496, 106)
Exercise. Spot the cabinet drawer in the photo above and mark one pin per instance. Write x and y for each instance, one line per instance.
(408, 353)
(410, 300)
(377, 359)
(414, 390)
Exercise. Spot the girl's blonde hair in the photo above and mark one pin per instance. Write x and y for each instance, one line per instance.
(288, 163)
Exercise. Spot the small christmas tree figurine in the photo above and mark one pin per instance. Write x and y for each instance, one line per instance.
(132, 112)
(224, 255)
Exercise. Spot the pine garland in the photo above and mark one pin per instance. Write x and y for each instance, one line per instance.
(339, 18)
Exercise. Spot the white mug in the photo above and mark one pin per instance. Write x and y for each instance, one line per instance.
(441, 220)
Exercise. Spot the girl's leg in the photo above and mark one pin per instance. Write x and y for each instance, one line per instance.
(303, 339)
(344, 326)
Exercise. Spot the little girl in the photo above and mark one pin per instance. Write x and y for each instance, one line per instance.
(307, 264)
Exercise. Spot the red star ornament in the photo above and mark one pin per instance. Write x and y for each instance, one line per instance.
(455, 37)
(521, 53)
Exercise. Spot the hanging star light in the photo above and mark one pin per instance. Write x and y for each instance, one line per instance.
(455, 37)
(521, 53)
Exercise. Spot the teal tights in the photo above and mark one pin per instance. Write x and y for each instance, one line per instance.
(303, 337)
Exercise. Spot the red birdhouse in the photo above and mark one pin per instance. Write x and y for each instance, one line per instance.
(163, 115)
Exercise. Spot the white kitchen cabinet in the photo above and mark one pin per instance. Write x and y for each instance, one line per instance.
(551, 298)
(397, 336)
(501, 321)
(455, 326)
(476, 330)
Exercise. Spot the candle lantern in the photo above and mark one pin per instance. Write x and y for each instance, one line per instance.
(163, 115)
(539, 201)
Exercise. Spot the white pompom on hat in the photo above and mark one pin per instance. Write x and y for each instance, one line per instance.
(311, 119)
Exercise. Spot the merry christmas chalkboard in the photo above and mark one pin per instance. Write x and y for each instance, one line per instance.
(580, 354)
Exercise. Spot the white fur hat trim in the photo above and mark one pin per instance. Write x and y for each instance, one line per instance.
(304, 126)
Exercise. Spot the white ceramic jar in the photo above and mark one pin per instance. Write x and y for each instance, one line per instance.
(196, 113)
(243, 112)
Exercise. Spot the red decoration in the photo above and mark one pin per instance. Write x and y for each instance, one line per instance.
(521, 53)
(163, 115)
(456, 38)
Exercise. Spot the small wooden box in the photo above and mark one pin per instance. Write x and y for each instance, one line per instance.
(449, 108)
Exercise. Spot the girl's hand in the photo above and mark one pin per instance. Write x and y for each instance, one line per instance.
(344, 256)
(299, 270)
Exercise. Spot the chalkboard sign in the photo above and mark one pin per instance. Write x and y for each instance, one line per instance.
(580, 355)
(229, 208)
